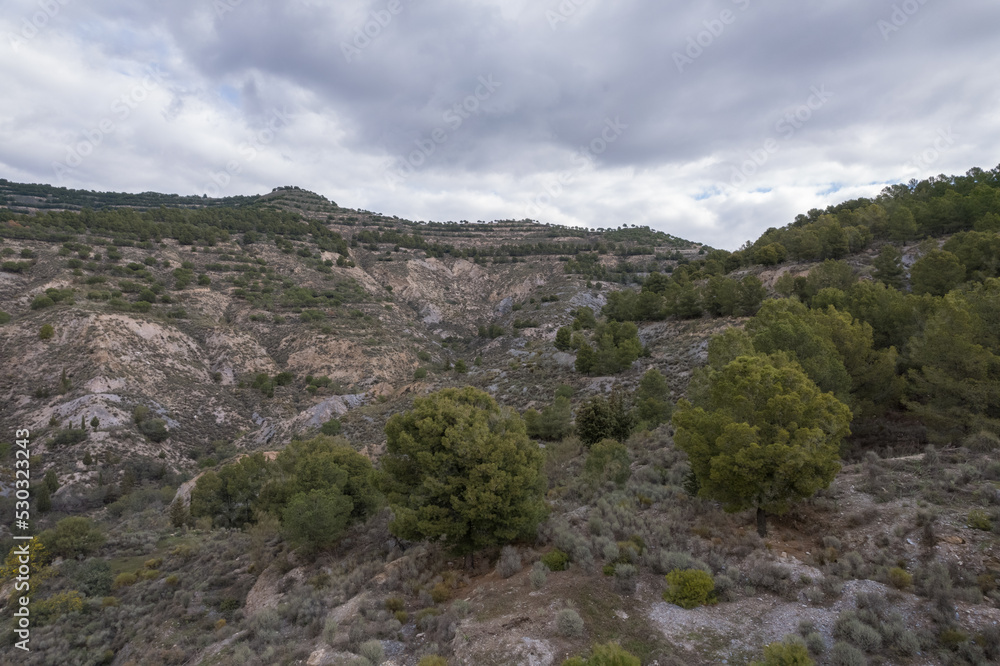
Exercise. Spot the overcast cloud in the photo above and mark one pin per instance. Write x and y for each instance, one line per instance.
(709, 120)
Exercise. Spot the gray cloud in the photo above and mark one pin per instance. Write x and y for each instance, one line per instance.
(374, 90)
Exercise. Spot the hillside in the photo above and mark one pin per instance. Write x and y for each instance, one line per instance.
(152, 340)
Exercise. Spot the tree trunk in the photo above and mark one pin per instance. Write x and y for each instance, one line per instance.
(470, 561)
(761, 522)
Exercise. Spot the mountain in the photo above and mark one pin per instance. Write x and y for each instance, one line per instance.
(150, 341)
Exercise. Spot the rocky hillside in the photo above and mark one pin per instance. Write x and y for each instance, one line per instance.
(150, 339)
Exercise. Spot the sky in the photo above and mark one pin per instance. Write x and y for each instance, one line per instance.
(712, 120)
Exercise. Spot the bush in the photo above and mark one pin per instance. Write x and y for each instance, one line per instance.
(94, 577)
(569, 623)
(979, 520)
(689, 588)
(510, 562)
(68, 437)
(608, 654)
(125, 579)
(845, 654)
(4, 318)
(789, 652)
(625, 575)
(539, 572)
(372, 651)
(42, 302)
(154, 429)
(555, 560)
(71, 537)
(900, 579)
(46, 332)
(331, 428)
(607, 461)
(432, 660)
(420, 373)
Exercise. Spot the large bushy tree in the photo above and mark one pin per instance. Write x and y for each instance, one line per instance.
(462, 469)
(766, 436)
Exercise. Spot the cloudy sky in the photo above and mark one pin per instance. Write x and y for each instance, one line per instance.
(710, 120)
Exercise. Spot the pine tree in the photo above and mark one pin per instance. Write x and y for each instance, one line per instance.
(889, 267)
(766, 436)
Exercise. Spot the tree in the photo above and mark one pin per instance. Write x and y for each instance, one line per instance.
(178, 513)
(766, 437)
(652, 403)
(563, 339)
(889, 267)
(955, 375)
(936, 273)
(460, 468)
(43, 498)
(51, 481)
(604, 418)
(317, 519)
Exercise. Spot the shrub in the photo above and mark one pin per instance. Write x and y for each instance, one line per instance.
(900, 579)
(625, 575)
(155, 430)
(982, 442)
(845, 654)
(510, 562)
(71, 537)
(440, 593)
(68, 437)
(538, 574)
(331, 428)
(420, 373)
(125, 579)
(789, 652)
(850, 627)
(555, 560)
(94, 577)
(42, 302)
(46, 332)
(432, 660)
(569, 623)
(689, 588)
(979, 520)
(4, 318)
(607, 461)
(608, 654)
(372, 651)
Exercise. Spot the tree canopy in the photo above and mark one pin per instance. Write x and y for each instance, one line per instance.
(462, 469)
(765, 437)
